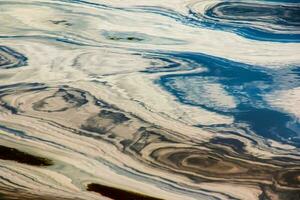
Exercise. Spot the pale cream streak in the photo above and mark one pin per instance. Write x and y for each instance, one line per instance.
(281, 146)
(177, 5)
(202, 90)
(140, 87)
(287, 100)
(235, 190)
(88, 29)
(115, 98)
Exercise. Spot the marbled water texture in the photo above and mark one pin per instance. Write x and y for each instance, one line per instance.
(149, 100)
(269, 22)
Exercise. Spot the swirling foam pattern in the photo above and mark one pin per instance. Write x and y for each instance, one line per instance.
(149, 100)
(253, 19)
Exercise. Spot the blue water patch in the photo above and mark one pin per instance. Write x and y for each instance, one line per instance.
(246, 84)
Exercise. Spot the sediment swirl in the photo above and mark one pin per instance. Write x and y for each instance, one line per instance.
(149, 100)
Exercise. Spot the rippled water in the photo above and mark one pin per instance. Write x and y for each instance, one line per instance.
(181, 99)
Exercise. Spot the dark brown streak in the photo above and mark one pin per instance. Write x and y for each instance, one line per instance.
(8, 153)
(117, 194)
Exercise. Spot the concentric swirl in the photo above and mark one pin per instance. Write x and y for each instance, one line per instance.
(255, 20)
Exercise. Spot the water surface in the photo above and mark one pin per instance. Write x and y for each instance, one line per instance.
(176, 100)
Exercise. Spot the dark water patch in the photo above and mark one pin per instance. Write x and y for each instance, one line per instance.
(290, 178)
(235, 144)
(116, 117)
(12, 109)
(133, 39)
(136, 37)
(8, 153)
(62, 22)
(125, 36)
(269, 192)
(64, 99)
(10, 58)
(117, 194)
(95, 128)
(104, 121)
